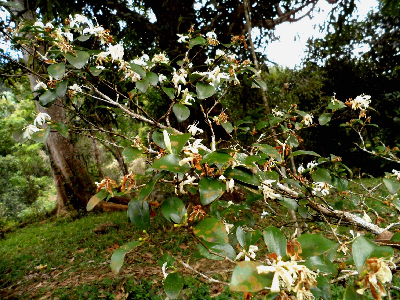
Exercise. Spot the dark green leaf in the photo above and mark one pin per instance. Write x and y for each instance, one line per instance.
(48, 97)
(292, 141)
(270, 151)
(275, 241)
(178, 141)
(173, 205)
(211, 230)
(170, 92)
(315, 263)
(196, 41)
(61, 88)
(131, 153)
(79, 59)
(217, 158)
(139, 213)
(314, 245)
(138, 69)
(173, 285)
(288, 203)
(339, 183)
(227, 126)
(61, 128)
(321, 175)
(83, 38)
(146, 191)
(57, 71)
(261, 83)
(117, 259)
(244, 238)
(323, 289)
(142, 85)
(351, 294)
(392, 185)
(94, 71)
(337, 105)
(41, 135)
(96, 199)
(245, 278)
(210, 189)
(303, 152)
(170, 163)
(325, 118)
(152, 78)
(243, 175)
(204, 90)
(181, 112)
(225, 250)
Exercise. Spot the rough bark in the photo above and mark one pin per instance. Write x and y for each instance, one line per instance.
(73, 183)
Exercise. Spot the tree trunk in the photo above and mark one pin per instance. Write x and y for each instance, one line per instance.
(73, 182)
(96, 154)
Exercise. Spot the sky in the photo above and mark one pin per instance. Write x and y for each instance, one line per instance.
(289, 50)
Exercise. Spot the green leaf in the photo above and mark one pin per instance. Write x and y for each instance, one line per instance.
(339, 183)
(314, 245)
(83, 38)
(79, 59)
(152, 78)
(61, 88)
(181, 112)
(243, 175)
(245, 278)
(57, 71)
(270, 151)
(351, 294)
(94, 71)
(170, 163)
(315, 263)
(131, 153)
(61, 128)
(170, 92)
(178, 141)
(392, 185)
(338, 105)
(225, 250)
(48, 97)
(261, 83)
(244, 238)
(139, 213)
(275, 241)
(210, 189)
(303, 152)
(11, 4)
(217, 158)
(288, 203)
(146, 191)
(197, 41)
(321, 175)
(204, 90)
(227, 126)
(275, 120)
(138, 69)
(325, 118)
(395, 237)
(41, 135)
(173, 205)
(211, 230)
(323, 289)
(262, 124)
(101, 195)
(117, 259)
(142, 85)
(173, 285)
(292, 141)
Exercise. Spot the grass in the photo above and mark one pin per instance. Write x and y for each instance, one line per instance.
(67, 259)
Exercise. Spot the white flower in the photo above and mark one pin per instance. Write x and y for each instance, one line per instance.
(100, 67)
(182, 38)
(186, 97)
(300, 169)
(366, 218)
(75, 88)
(230, 203)
(77, 20)
(228, 227)
(277, 113)
(222, 177)
(189, 180)
(215, 76)
(321, 187)
(164, 269)
(361, 102)
(247, 255)
(219, 53)
(264, 214)
(69, 36)
(167, 141)
(209, 61)
(267, 190)
(117, 51)
(39, 86)
(179, 77)
(312, 164)
(231, 56)
(41, 118)
(193, 129)
(281, 272)
(162, 78)
(160, 58)
(38, 24)
(49, 25)
(211, 35)
(308, 119)
(230, 185)
(29, 130)
(396, 173)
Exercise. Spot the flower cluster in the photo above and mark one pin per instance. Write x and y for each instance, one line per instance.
(268, 192)
(320, 187)
(32, 128)
(360, 102)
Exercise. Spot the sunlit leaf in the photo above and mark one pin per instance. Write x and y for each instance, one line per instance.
(170, 163)
(101, 195)
(138, 69)
(143, 85)
(61, 88)
(181, 112)
(227, 126)
(392, 185)
(314, 245)
(57, 71)
(275, 241)
(243, 175)
(325, 118)
(210, 189)
(245, 278)
(139, 213)
(78, 59)
(131, 153)
(173, 285)
(173, 205)
(321, 175)
(303, 152)
(197, 41)
(117, 259)
(47, 98)
(211, 230)
(204, 90)
(41, 135)
(152, 78)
